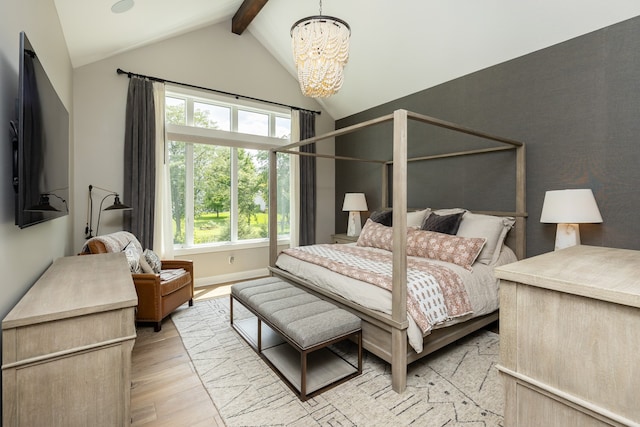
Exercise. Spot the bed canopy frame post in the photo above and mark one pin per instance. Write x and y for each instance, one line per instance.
(399, 273)
(384, 188)
(521, 203)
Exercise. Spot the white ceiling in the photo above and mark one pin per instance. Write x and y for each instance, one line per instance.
(397, 47)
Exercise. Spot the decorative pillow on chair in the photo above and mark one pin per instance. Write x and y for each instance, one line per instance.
(133, 258)
(154, 260)
(144, 265)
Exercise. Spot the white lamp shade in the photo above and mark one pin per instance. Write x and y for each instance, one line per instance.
(354, 202)
(570, 207)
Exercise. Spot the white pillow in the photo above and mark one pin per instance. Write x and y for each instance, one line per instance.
(449, 211)
(492, 228)
(414, 219)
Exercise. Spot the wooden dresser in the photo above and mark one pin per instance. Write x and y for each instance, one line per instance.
(66, 346)
(570, 338)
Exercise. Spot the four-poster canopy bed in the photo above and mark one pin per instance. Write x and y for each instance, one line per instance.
(386, 334)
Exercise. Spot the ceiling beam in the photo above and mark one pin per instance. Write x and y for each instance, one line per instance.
(245, 14)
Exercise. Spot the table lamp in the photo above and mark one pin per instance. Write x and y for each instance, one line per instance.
(568, 208)
(354, 203)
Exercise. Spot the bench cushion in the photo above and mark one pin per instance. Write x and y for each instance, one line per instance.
(304, 318)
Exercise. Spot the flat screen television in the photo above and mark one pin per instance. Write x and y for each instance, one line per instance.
(40, 144)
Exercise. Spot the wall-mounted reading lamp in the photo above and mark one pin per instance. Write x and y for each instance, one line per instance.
(117, 205)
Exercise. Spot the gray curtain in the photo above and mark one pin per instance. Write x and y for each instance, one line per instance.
(307, 181)
(139, 161)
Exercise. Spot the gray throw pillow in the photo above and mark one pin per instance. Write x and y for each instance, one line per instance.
(446, 224)
(382, 217)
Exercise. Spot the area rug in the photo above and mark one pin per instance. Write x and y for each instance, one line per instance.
(456, 386)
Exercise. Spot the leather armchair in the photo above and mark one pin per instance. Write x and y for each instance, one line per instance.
(157, 298)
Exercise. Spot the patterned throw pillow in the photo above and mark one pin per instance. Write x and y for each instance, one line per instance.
(376, 235)
(133, 258)
(462, 251)
(144, 265)
(154, 260)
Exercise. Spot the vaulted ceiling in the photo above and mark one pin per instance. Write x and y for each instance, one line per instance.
(397, 47)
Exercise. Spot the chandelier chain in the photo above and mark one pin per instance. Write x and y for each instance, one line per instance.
(320, 8)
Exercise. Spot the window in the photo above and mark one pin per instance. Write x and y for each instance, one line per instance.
(219, 169)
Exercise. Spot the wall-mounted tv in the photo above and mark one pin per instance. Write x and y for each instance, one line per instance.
(40, 144)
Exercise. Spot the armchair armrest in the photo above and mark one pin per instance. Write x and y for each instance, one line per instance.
(168, 264)
(146, 278)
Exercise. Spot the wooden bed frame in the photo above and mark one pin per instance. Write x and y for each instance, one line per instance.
(386, 335)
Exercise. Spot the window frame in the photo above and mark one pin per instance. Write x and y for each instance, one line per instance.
(190, 135)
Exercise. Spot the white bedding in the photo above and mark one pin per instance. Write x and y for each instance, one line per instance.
(480, 283)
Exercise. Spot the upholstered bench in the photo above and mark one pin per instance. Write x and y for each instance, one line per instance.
(304, 327)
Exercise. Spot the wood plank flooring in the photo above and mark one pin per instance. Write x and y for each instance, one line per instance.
(165, 389)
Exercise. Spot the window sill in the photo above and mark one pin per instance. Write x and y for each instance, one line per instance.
(225, 247)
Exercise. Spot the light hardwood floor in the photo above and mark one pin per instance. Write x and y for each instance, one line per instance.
(165, 389)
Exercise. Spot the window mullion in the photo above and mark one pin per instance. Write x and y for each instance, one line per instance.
(189, 112)
(234, 194)
(189, 195)
(234, 119)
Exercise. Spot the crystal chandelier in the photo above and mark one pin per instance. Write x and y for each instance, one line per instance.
(320, 52)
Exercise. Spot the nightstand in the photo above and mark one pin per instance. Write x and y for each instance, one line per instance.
(343, 238)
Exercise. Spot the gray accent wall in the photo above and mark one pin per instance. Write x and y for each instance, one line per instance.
(575, 105)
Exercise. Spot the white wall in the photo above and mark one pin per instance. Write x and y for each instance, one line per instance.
(210, 57)
(26, 253)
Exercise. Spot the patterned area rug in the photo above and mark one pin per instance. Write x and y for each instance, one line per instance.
(456, 386)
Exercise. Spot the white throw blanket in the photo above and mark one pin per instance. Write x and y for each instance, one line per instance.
(115, 242)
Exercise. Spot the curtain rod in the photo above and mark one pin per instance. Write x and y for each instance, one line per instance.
(157, 79)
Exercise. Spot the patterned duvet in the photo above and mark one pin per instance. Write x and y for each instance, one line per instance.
(435, 293)
(480, 287)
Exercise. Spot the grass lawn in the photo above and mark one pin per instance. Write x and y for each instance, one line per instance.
(212, 227)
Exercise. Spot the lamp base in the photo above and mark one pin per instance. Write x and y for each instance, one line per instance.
(567, 235)
(354, 226)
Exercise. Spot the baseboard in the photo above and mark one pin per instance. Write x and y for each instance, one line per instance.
(232, 277)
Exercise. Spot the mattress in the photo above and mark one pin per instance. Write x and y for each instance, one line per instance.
(480, 283)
